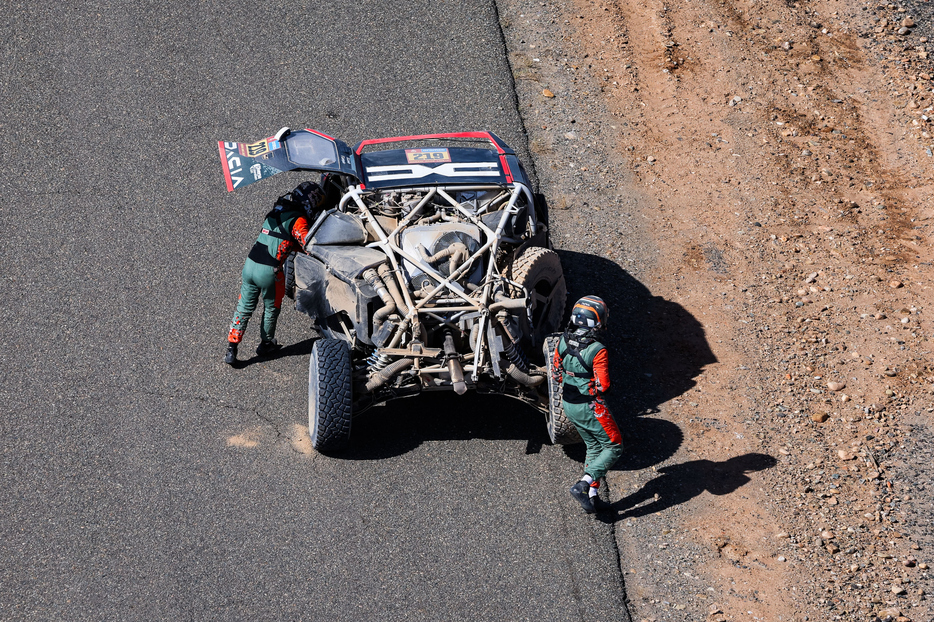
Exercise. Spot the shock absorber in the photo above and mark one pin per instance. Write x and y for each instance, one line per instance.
(377, 361)
(516, 356)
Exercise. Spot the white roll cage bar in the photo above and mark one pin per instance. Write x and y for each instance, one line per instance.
(478, 301)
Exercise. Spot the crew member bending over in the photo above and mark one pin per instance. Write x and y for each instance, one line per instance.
(283, 232)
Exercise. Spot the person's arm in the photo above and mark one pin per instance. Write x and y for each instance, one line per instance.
(601, 370)
(300, 230)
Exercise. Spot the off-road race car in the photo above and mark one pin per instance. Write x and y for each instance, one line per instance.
(433, 272)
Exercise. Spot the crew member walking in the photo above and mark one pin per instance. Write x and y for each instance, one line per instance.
(581, 364)
(283, 232)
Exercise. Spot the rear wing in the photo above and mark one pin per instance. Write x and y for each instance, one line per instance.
(302, 150)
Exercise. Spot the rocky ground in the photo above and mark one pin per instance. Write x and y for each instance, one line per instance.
(749, 184)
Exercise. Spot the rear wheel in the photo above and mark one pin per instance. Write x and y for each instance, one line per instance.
(561, 430)
(539, 271)
(329, 395)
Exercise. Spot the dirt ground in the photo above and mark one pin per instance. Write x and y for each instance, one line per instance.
(749, 183)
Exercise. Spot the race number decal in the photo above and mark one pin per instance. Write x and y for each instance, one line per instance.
(253, 150)
(435, 155)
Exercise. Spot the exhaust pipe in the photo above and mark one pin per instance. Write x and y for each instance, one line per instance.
(454, 365)
(385, 374)
(389, 279)
(389, 305)
(523, 378)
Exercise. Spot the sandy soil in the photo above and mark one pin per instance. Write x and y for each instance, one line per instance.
(750, 185)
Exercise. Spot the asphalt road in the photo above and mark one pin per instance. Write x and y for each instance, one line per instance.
(142, 479)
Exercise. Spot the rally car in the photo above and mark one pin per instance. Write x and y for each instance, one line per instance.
(433, 271)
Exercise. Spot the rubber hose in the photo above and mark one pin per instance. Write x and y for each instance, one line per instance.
(384, 375)
(523, 378)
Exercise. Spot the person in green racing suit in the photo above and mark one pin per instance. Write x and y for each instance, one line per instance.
(581, 364)
(283, 232)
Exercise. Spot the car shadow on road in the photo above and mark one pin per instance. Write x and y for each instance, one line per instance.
(403, 425)
(301, 348)
(657, 351)
(679, 483)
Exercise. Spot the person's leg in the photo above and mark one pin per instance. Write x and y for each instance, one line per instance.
(246, 304)
(590, 432)
(608, 440)
(272, 302)
(271, 285)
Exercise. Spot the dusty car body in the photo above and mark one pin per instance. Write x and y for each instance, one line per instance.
(433, 272)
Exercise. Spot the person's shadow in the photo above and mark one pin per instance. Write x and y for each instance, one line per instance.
(657, 350)
(301, 348)
(679, 483)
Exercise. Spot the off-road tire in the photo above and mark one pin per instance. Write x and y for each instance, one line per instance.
(330, 402)
(539, 271)
(561, 430)
(288, 270)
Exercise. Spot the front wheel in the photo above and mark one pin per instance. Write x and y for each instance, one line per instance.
(329, 395)
(561, 430)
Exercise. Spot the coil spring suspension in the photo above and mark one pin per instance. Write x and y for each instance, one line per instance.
(377, 361)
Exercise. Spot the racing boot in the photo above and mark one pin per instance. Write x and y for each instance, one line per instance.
(267, 347)
(231, 357)
(581, 492)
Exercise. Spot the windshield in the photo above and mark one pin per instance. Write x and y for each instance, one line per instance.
(308, 150)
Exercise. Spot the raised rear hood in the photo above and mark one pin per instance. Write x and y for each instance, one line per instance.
(300, 150)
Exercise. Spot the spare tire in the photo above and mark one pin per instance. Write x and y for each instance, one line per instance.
(329, 395)
(561, 430)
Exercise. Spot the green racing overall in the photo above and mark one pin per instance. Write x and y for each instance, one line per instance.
(283, 232)
(581, 364)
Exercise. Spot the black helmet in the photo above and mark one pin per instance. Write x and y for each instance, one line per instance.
(590, 312)
(309, 194)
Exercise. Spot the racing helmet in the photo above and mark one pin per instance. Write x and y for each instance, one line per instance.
(309, 194)
(591, 313)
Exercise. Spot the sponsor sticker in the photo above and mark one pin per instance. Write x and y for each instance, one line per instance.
(430, 155)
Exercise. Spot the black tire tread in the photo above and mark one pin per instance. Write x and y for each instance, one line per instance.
(561, 430)
(525, 268)
(330, 400)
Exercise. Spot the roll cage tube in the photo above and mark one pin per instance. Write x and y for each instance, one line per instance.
(393, 251)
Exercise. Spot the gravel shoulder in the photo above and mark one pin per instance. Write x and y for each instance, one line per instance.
(750, 186)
